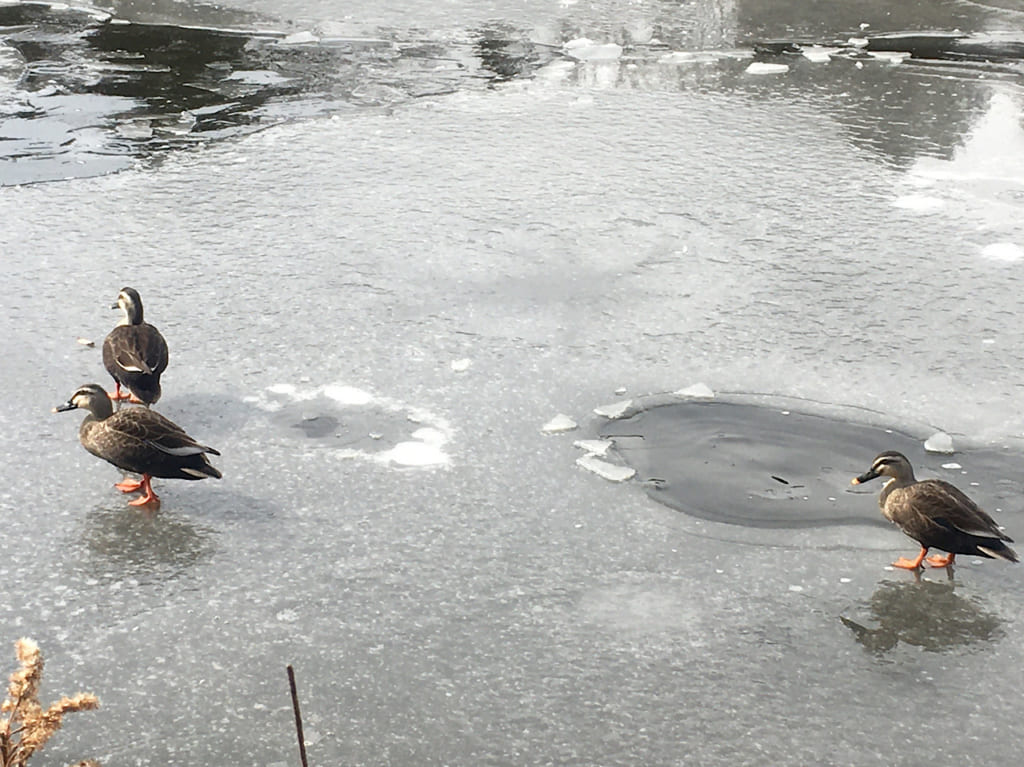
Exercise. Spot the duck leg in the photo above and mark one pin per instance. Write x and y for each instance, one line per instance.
(128, 485)
(946, 561)
(911, 564)
(148, 496)
(118, 395)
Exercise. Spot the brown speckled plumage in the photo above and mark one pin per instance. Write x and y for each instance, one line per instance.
(134, 352)
(138, 439)
(935, 513)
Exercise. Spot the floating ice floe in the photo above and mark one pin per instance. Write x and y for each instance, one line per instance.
(819, 54)
(615, 410)
(559, 423)
(939, 442)
(609, 471)
(461, 366)
(1003, 251)
(583, 49)
(597, 447)
(763, 68)
(85, 341)
(951, 466)
(890, 57)
(347, 395)
(696, 391)
(919, 203)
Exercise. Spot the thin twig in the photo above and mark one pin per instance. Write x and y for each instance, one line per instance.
(298, 716)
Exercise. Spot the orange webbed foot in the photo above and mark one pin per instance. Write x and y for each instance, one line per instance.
(907, 564)
(128, 485)
(148, 496)
(945, 561)
(911, 564)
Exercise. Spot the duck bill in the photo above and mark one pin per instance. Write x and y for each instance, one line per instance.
(65, 407)
(867, 476)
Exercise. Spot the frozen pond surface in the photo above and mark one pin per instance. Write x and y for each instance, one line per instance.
(372, 312)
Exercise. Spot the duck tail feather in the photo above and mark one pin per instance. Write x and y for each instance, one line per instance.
(1003, 552)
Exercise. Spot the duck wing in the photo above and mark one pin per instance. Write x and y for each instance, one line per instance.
(149, 428)
(944, 504)
(135, 349)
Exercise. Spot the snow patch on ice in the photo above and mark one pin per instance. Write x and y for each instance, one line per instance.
(425, 449)
(919, 203)
(1003, 251)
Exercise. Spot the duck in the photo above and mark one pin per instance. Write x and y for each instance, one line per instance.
(134, 352)
(138, 440)
(935, 514)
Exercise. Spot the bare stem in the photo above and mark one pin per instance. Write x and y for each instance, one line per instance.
(298, 716)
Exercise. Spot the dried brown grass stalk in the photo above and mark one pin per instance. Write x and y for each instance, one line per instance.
(24, 725)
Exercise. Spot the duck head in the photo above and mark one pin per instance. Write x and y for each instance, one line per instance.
(129, 302)
(891, 464)
(91, 397)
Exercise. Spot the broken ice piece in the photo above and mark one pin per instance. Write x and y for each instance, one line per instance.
(951, 466)
(593, 446)
(614, 410)
(762, 68)
(86, 341)
(620, 391)
(939, 442)
(697, 391)
(560, 422)
(819, 54)
(461, 366)
(606, 470)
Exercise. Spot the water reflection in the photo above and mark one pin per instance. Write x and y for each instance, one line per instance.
(926, 614)
(122, 543)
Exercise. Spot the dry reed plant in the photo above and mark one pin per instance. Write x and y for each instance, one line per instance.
(24, 725)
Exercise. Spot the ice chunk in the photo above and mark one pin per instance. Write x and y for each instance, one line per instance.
(424, 450)
(86, 341)
(1003, 251)
(609, 471)
(819, 54)
(583, 49)
(282, 388)
(697, 391)
(614, 410)
(951, 466)
(593, 446)
(890, 57)
(559, 423)
(763, 68)
(461, 366)
(939, 442)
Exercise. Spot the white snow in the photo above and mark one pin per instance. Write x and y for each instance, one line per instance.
(1003, 251)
